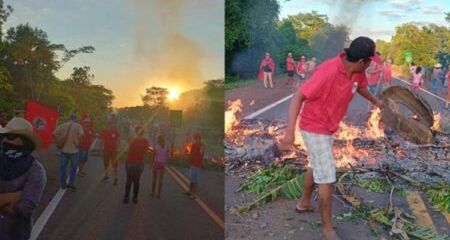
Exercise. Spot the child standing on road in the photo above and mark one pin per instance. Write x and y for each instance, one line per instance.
(417, 79)
(195, 160)
(160, 155)
(137, 148)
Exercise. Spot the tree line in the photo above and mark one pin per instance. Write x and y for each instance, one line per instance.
(253, 27)
(28, 63)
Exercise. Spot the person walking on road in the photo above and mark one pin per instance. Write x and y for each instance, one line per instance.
(290, 67)
(374, 73)
(68, 137)
(302, 69)
(22, 179)
(196, 155)
(266, 70)
(417, 80)
(323, 102)
(388, 72)
(160, 156)
(86, 142)
(137, 148)
(437, 72)
(110, 144)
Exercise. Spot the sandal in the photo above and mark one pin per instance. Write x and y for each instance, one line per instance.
(304, 210)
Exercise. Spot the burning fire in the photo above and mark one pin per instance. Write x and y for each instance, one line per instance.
(374, 129)
(230, 115)
(437, 122)
(347, 132)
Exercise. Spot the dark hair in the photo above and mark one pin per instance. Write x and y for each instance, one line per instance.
(161, 141)
(418, 70)
(413, 64)
(360, 48)
(27, 144)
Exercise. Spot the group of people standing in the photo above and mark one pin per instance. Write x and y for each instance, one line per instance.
(23, 178)
(301, 68)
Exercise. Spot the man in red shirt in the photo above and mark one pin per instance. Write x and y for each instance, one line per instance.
(110, 138)
(325, 100)
(302, 69)
(290, 67)
(195, 160)
(86, 142)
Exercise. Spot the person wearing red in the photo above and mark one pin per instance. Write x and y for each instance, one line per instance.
(86, 142)
(388, 72)
(110, 141)
(374, 74)
(302, 68)
(138, 146)
(323, 102)
(196, 155)
(266, 70)
(290, 67)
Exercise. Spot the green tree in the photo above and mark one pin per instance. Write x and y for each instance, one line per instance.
(384, 48)
(307, 24)
(155, 97)
(81, 76)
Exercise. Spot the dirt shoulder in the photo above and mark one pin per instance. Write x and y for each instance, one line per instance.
(254, 96)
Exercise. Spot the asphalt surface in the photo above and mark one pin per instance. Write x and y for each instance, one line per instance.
(96, 211)
(357, 112)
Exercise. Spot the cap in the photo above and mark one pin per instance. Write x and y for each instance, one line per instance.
(362, 48)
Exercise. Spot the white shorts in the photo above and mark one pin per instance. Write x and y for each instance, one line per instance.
(320, 150)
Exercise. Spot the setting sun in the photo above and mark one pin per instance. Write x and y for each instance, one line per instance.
(174, 93)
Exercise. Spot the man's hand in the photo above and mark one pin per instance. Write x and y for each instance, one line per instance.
(286, 142)
(10, 198)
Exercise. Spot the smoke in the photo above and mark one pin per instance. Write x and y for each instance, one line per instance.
(170, 57)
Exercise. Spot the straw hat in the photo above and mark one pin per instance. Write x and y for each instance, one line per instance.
(22, 127)
(437, 65)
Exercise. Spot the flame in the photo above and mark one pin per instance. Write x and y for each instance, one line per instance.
(230, 115)
(347, 132)
(374, 129)
(252, 102)
(345, 156)
(437, 122)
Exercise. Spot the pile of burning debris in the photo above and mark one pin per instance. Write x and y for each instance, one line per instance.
(251, 144)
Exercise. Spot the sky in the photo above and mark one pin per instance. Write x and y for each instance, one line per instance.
(373, 18)
(139, 43)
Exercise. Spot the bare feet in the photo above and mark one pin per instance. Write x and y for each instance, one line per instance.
(330, 235)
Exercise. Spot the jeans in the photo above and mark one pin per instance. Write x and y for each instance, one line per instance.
(134, 171)
(373, 89)
(193, 174)
(434, 85)
(65, 158)
(83, 155)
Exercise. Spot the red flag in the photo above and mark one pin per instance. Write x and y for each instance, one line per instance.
(43, 119)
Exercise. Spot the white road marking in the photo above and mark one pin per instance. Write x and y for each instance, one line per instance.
(268, 107)
(421, 89)
(48, 211)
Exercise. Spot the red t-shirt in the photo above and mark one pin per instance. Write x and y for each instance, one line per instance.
(302, 67)
(328, 94)
(290, 64)
(110, 139)
(197, 154)
(138, 147)
(88, 137)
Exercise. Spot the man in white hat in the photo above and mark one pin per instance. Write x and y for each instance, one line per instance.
(22, 179)
(437, 72)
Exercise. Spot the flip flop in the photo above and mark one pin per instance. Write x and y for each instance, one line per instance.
(304, 210)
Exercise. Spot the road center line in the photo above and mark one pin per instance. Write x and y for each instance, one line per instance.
(48, 211)
(198, 200)
(422, 89)
(268, 107)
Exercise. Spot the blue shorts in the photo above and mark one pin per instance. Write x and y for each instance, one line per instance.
(193, 174)
(83, 155)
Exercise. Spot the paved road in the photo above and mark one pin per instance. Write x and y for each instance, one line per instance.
(96, 210)
(357, 110)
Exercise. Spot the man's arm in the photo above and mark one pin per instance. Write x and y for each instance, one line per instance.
(294, 110)
(367, 95)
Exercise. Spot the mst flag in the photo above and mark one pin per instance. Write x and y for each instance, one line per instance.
(43, 119)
